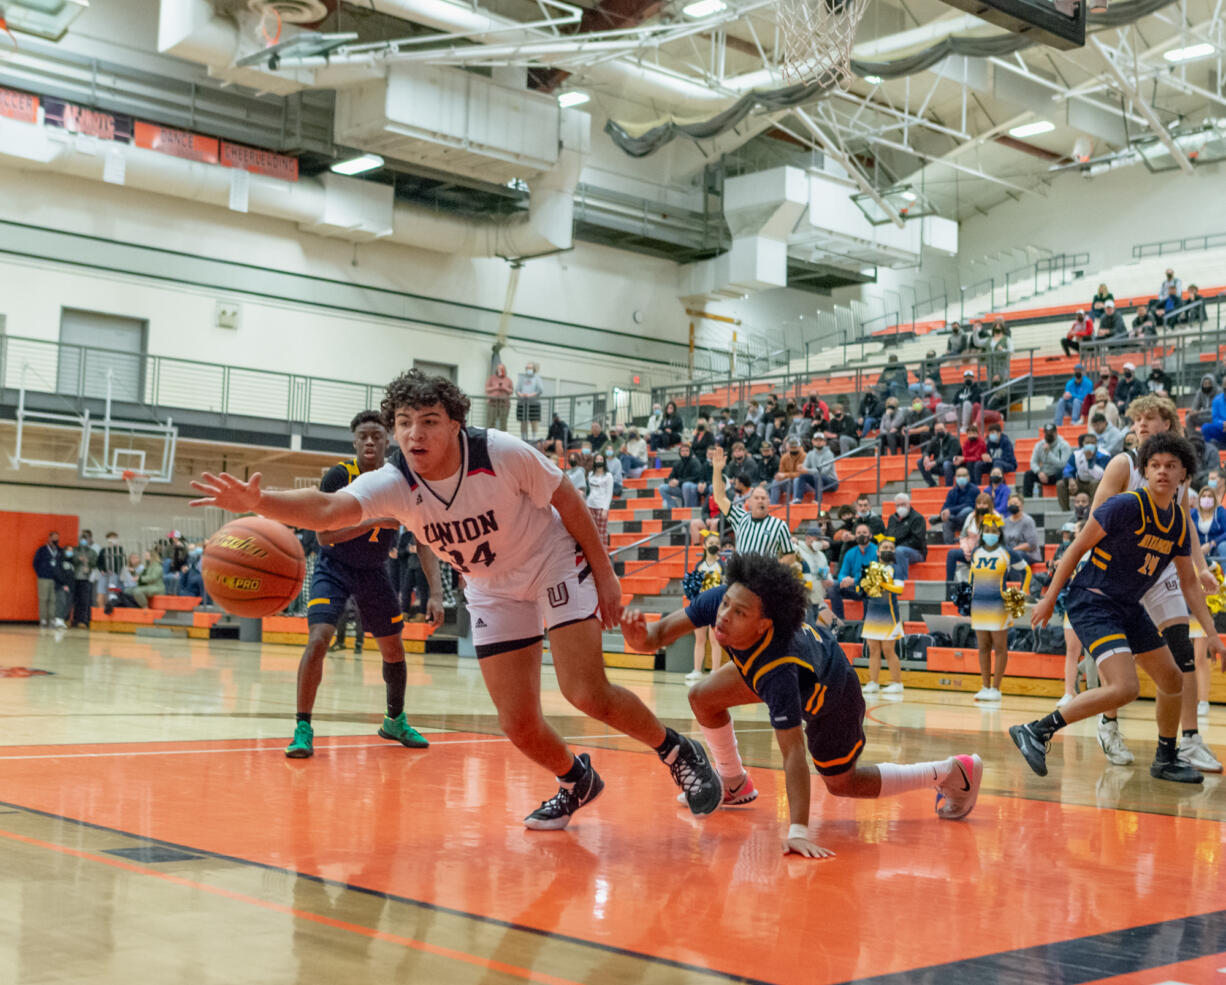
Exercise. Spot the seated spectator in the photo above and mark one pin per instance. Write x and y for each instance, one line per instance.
(1128, 389)
(1099, 303)
(703, 439)
(812, 556)
(1201, 411)
(865, 514)
(855, 560)
(968, 538)
(1110, 323)
(654, 419)
(956, 345)
(1081, 330)
(1083, 470)
(753, 416)
(1046, 461)
(997, 489)
(959, 504)
(1021, 533)
(909, 533)
(1110, 439)
(557, 438)
(767, 459)
(1100, 403)
(1143, 324)
(597, 438)
(1168, 306)
(614, 467)
(1158, 381)
(894, 376)
(681, 487)
(576, 471)
(150, 581)
(1214, 430)
(1076, 389)
(776, 427)
(801, 427)
(843, 535)
(1170, 281)
(842, 428)
(1195, 306)
(938, 454)
(1132, 440)
(929, 370)
(669, 432)
(739, 463)
(191, 581)
(791, 468)
(996, 409)
(872, 406)
(893, 423)
(1210, 520)
(968, 399)
(819, 472)
(1000, 450)
(973, 454)
(1000, 349)
(633, 456)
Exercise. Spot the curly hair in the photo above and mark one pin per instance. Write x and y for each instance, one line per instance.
(1155, 403)
(781, 594)
(366, 417)
(1168, 444)
(415, 389)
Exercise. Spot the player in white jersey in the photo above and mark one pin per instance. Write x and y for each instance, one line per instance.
(1164, 602)
(501, 514)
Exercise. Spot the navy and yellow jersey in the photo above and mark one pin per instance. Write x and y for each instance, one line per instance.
(881, 617)
(370, 550)
(990, 569)
(1141, 540)
(791, 675)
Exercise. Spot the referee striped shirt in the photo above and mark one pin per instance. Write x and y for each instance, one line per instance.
(769, 535)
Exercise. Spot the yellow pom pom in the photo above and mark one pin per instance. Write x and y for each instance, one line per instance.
(1015, 602)
(874, 580)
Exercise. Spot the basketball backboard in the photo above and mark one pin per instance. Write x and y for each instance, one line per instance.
(1058, 23)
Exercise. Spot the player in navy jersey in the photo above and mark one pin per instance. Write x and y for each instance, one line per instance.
(353, 561)
(1132, 537)
(803, 677)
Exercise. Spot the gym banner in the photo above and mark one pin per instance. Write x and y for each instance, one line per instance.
(88, 122)
(259, 161)
(177, 143)
(18, 106)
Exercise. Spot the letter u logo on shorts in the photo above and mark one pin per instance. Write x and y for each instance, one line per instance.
(558, 596)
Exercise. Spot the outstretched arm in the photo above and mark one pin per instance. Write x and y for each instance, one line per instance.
(647, 637)
(1090, 535)
(308, 508)
(719, 490)
(796, 780)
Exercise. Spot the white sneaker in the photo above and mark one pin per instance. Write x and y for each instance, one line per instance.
(1112, 742)
(957, 793)
(1065, 700)
(1202, 709)
(993, 694)
(693, 677)
(60, 624)
(894, 687)
(872, 687)
(1194, 752)
(983, 694)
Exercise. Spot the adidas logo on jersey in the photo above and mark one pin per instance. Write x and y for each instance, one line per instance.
(419, 499)
(480, 623)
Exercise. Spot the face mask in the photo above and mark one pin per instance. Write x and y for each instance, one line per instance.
(84, 541)
(1081, 512)
(574, 461)
(1090, 449)
(1207, 387)
(1014, 509)
(1207, 503)
(928, 388)
(713, 549)
(991, 540)
(862, 539)
(863, 511)
(993, 438)
(1213, 483)
(1128, 374)
(917, 406)
(962, 480)
(886, 558)
(597, 466)
(997, 480)
(112, 540)
(1077, 376)
(902, 512)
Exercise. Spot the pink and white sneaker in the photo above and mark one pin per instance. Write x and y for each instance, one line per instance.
(957, 793)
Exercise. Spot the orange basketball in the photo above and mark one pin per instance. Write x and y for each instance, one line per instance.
(253, 566)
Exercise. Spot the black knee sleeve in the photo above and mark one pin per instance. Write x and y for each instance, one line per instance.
(1180, 645)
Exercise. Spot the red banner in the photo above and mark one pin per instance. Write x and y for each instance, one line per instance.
(177, 143)
(18, 106)
(89, 122)
(259, 161)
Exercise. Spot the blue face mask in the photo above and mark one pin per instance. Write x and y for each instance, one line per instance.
(928, 388)
(1213, 483)
(991, 540)
(962, 480)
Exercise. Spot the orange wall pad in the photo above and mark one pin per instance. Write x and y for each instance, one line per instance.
(22, 534)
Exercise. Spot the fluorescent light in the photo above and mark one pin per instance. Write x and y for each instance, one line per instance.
(873, 79)
(1033, 129)
(1189, 53)
(573, 98)
(907, 196)
(703, 8)
(358, 165)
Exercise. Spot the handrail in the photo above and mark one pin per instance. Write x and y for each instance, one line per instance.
(1157, 248)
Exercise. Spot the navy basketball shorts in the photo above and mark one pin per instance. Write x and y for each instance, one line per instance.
(333, 583)
(834, 722)
(1106, 627)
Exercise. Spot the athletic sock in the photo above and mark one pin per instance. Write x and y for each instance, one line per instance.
(573, 775)
(1168, 749)
(394, 676)
(671, 741)
(303, 716)
(898, 778)
(1049, 725)
(1108, 718)
(1190, 731)
(722, 743)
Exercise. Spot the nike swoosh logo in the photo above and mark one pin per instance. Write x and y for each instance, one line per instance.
(966, 780)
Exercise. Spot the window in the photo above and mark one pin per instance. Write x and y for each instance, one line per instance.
(95, 346)
(435, 369)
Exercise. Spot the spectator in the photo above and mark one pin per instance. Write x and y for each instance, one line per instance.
(1110, 324)
(1110, 440)
(959, 504)
(1083, 470)
(150, 581)
(1106, 381)
(191, 580)
(498, 390)
(687, 472)
(110, 565)
(865, 514)
(872, 407)
(529, 388)
(634, 454)
(577, 473)
(753, 416)
(1132, 440)
(998, 402)
(1000, 449)
(767, 459)
(968, 398)
(741, 464)
(65, 584)
(818, 471)
(1128, 389)
(929, 369)
(1158, 381)
(1000, 349)
(842, 428)
(801, 427)
(1081, 330)
(906, 528)
(973, 455)
(85, 573)
(1210, 520)
(1102, 405)
(1169, 283)
(669, 433)
(938, 454)
(979, 337)
(1076, 390)
(997, 489)
(957, 343)
(755, 530)
(600, 495)
(968, 539)
(557, 438)
(893, 376)
(1214, 430)
(46, 567)
(1081, 506)
(816, 564)
(893, 424)
(791, 468)
(1021, 534)
(1143, 324)
(1099, 303)
(597, 439)
(776, 428)
(855, 561)
(1168, 304)
(656, 418)
(1195, 305)
(844, 535)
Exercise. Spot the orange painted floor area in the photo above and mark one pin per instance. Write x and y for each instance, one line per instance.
(635, 872)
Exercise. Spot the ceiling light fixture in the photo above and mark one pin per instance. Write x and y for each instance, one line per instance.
(703, 8)
(573, 98)
(358, 165)
(873, 79)
(908, 196)
(1032, 129)
(1190, 53)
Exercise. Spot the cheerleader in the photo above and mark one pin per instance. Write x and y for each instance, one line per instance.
(882, 625)
(711, 570)
(991, 564)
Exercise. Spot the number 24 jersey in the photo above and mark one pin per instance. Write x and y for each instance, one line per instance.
(1141, 541)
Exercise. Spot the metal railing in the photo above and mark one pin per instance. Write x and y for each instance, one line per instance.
(1187, 244)
(1041, 276)
(1181, 350)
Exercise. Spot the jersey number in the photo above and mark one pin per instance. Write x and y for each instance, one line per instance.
(1149, 565)
(482, 555)
(374, 535)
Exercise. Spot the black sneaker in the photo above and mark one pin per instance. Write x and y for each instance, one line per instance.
(554, 813)
(696, 777)
(1175, 771)
(1031, 746)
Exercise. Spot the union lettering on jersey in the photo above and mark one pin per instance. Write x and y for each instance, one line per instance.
(461, 531)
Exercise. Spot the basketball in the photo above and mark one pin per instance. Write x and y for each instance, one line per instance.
(253, 567)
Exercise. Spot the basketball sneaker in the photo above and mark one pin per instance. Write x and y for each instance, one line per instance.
(1193, 752)
(960, 789)
(1175, 770)
(1112, 741)
(872, 687)
(695, 775)
(743, 792)
(1032, 747)
(554, 813)
(401, 731)
(303, 745)
(894, 687)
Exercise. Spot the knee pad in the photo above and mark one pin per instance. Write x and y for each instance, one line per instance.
(1181, 648)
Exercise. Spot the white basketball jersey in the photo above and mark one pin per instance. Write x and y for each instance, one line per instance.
(497, 528)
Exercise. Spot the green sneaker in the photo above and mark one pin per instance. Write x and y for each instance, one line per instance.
(304, 742)
(399, 729)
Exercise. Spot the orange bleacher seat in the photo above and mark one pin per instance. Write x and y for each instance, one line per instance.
(966, 660)
(174, 603)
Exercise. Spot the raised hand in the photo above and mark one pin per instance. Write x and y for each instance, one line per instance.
(228, 491)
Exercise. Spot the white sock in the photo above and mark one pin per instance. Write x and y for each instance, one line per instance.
(722, 743)
(898, 778)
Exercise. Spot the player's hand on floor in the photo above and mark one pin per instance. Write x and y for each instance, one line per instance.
(803, 846)
(1042, 611)
(434, 613)
(609, 595)
(228, 492)
(634, 629)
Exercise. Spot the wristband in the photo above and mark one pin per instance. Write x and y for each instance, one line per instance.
(798, 831)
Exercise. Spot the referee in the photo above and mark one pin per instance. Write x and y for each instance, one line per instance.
(756, 531)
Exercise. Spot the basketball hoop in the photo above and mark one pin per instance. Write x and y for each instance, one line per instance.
(136, 484)
(815, 40)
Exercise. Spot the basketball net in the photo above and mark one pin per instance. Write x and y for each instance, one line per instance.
(815, 40)
(136, 484)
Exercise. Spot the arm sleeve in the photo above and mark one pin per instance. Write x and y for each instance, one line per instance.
(703, 610)
(531, 472)
(780, 692)
(380, 493)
